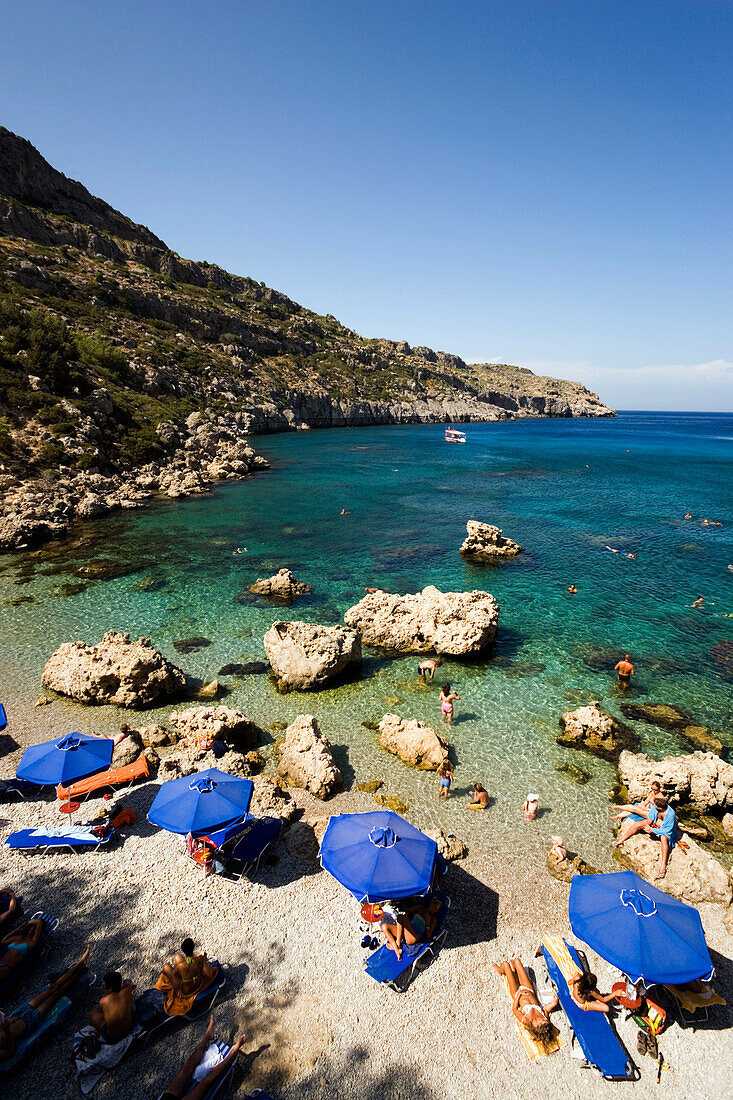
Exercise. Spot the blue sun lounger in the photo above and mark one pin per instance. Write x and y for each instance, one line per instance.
(240, 847)
(18, 788)
(220, 1087)
(56, 1016)
(50, 924)
(593, 1030)
(73, 838)
(384, 966)
(201, 1006)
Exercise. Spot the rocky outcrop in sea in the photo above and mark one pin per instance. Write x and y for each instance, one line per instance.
(431, 621)
(700, 780)
(413, 741)
(484, 542)
(305, 758)
(304, 656)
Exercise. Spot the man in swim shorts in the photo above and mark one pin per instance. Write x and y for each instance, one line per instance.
(625, 671)
(660, 821)
(428, 667)
(21, 1023)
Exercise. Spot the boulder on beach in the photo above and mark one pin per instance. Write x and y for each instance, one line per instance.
(413, 741)
(282, 586)
(450, 846)
(691, 876)
(188, 758)
(205, 724)
(594, 730)
(305, 656)
(117, 671)
(484, 542)
(271, 800)
(306, 760)
(455, 623)
(700, 780)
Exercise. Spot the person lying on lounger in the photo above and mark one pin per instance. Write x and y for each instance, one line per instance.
(8, 905)
(532, 1015)
(18, 944)
(183, 979)
(21, 1023)
(177, 1088)
(584, 990)
(114, 1018)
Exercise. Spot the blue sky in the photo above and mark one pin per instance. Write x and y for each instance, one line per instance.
(545, 183)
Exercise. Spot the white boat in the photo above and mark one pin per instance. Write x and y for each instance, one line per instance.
(452, 435)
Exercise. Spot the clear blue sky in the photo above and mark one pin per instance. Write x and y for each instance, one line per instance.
(547, 183)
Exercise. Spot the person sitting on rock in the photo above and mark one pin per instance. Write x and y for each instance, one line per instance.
(526, 1007)
(660, 821)
(584, 990)
(18, 944)
(183, 979)
(20, 1024)
(558, 851)
(479, 797)
(635, 811)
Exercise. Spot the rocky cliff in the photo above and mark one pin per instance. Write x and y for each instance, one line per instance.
(120, 360)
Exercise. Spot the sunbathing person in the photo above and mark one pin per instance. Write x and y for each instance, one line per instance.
(18, 944)
(525, 1005)
(115, 1017)
(177, 1088)
(21, 1023)
(183, 979)
(584, 991)
(9, 903)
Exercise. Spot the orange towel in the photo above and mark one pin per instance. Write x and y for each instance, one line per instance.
(113, 778)
(178, 1003)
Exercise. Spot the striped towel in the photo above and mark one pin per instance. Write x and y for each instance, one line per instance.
(556, 946)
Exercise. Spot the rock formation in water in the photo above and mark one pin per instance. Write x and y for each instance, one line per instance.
(700, 780)
(305, 758)
(484, 542)
(117, 671)
(282, 586)
(594, 730)
(304, 656)
(130, 370)
(455, 623)
(669, 716)
(413, 741)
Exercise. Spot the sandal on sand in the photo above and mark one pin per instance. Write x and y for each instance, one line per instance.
(652, 1046)
(641, 1042)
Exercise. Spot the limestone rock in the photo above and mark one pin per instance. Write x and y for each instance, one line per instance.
(215, 724)
(370, 786)
(564, 869)
(691, 876)
(413, 741)
(208, 691)
(700, 779)
(304, 656)
(727, 825)
(306, 759)
(485, 542)
(282, 586)
(187, 759)
(271, 800)
(191, 645)
(155, 737)
(128, 750)
(594, 730)
(670, 716)
(702, 738)
(449, 845)
(391, 802)
(430, 621)
(116, 671)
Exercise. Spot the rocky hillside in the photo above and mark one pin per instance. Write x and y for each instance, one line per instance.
(117, 356)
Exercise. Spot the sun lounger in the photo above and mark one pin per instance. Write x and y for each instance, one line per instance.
(56, 1016)
(384, 966)
(73, 838)
(238, 849)
(33, 958)
(115, 777)
(592, 1030)
(692, 1001)
(221, 1087)
(201, 1006)
(3, 718)
(18, 788)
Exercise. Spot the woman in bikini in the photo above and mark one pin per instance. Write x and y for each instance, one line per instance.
(183, 979)
(18, 944)
(446, 702)
(525, 1005)
(445, 775)
(584, 990)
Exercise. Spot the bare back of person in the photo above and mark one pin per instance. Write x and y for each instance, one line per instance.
(117, 1011)
(191, 972)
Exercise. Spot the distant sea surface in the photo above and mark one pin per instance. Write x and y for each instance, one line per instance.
(565, 489)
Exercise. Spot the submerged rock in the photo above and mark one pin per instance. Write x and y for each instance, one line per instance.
(282, 586)
(700, 779)
(117, 671)
(578, 775)
(722, 654)
(658, 714)
(208, 691)
(104, 569)
(484, 542)
(564, 869)
(391, 802)
(413, 741)
(691, 876)
(248, 668)
(593, 730)
(430, 621)
(305, 656)
(306, 758)
(370, 786)
(190, 645)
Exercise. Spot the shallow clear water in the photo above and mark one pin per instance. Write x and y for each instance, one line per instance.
(564, 489)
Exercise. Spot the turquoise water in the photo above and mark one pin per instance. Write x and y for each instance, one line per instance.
(564, 489)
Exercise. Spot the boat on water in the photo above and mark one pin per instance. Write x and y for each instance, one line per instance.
(452, 435)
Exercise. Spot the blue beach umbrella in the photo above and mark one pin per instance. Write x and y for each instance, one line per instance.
(641, 930)
(65, 760)
(378, 856)
(201, 802)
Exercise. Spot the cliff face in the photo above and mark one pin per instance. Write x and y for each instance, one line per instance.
(110, 343)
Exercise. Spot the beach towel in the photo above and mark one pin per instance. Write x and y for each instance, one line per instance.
(179, 1004)
(93, 1057)
(535, 1048)
(567, 966)
(695, 995)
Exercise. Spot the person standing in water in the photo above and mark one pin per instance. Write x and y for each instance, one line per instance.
(625, 671)
(446, 703)
(445, 775)
(426, 669)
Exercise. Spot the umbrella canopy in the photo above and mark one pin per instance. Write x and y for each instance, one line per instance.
(65, 760)
(641, 930)
(378, 856)
(201, 802)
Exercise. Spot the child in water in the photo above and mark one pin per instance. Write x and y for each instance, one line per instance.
(479, 798)
(446, 702)
(445, 775)
(530, 807)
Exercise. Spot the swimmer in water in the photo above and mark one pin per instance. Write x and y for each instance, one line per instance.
(698, 602)
(343, 512)
(612, 550)
(240, 550)
(632, 556)
(688, 515)
(573, 590)
(625, 671)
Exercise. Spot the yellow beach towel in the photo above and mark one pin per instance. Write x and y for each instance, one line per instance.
(557, 947)
(695, 995)
(535, 1047)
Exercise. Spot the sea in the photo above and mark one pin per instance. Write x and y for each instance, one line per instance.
(570, 491)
